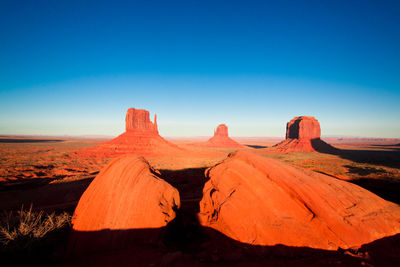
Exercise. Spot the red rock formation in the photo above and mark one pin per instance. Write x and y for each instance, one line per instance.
(127, 194)
(141, 138)
(262, 201)
(222, 130)
(303, 134)
(221, 138)
(303, 127)
(137, 120)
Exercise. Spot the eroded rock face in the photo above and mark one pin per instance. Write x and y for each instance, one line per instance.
(303, 127)
(125, 198)
(303, 134)
(262, 201)
(138, 120)
(222, 130)
(221, 138)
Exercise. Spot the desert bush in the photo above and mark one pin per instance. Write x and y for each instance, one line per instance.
(22, 228)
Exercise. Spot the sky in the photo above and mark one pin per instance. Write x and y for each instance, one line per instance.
(75, 67)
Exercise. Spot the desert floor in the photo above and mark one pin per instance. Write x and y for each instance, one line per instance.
(46, 174)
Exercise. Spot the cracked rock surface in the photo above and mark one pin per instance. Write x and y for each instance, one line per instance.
(261, 201)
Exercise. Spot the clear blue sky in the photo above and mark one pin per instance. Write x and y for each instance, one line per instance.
(74, 67)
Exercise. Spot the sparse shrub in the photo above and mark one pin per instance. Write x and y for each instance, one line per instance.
(19, 230)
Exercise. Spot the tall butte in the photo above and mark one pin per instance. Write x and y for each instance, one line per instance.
(221, 138)
(138, 121)
(141, 138)
(303, 133)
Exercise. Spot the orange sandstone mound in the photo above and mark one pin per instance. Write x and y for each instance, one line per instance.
(262, 201)
(221, 138)
(303, 134)
(141, 137)
(126, 195)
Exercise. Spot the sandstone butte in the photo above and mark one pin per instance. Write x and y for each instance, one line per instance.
(221, 138)
(141, 137)
(303, 133)
(262, 201)
(127, 194)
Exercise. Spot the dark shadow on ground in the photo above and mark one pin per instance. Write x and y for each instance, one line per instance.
(386, 189)
(148, 247)
(389, 158)
(17, 140)
(184, 230)
(395, 145)
(133, 248)
(43, 195)
(364, 171)
(189, 182)
(321, 146)
(22, 184)
(256, 146)
(30, 251)
(383, 187)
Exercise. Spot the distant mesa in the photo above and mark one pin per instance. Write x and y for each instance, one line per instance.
(141, 137)
(126, 194)
(262, 201)
(303, 133)
(303, 128)
(221, 138)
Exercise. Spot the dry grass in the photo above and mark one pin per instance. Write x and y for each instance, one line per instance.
(20, 229)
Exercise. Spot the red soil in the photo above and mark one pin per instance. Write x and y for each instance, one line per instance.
(262, 201)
